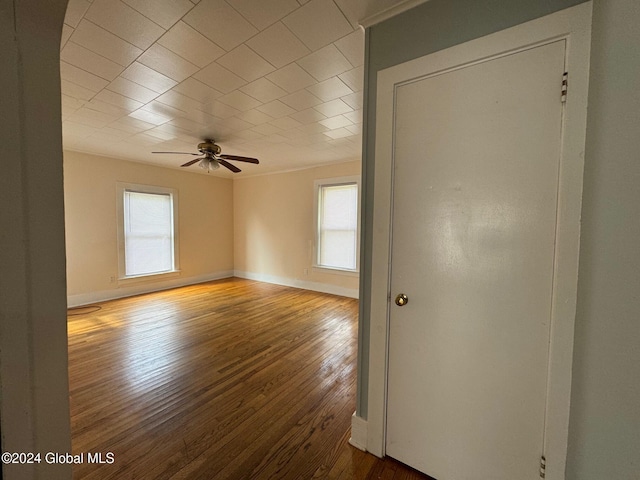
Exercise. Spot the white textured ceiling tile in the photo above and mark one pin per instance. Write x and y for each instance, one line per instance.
(249, 135)
(356, 129)
(355, 116)
(263, 90)
(286, 123)
(114, 132)
(129, 124)
(76, 91)
(235, 123)
(91, 118)
(132, 90)
(352, 10)
(160, 108)
(74, 104)
(318, 23)
(264, 12)
(338, 133)
(190, 44)
(108, 108)
(161, 134)
(219, 22)
(278, 45)
(75, 11)
(301, 100)
(314, 128)
(149, 117)
(163, 12)
(354, 100)
(246, 63)
(330, 89)
(113, 98)
(354, 78)
(338, 121)
(197, 90)
(310, 115)
(239, 100)
(291, 78)
(266, 129)
(168, 63)
(91, 62)
(76, 130)
(325, 63)
(184, 125)
(333, 108)
(105, 43)
(148, 77)
(125, 22)
(179, 101)
(255, 117)
(276, 109)
(67, 31)
(352, 47)
(275, 138)
(220, 110)
(81, 77)
(219, 78)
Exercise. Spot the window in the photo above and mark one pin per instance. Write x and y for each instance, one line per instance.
(337, 235)
(147, 233)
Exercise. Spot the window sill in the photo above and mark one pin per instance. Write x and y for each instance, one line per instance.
(150, 277)
(336, 271)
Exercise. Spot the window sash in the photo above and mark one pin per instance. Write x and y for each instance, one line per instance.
(148, 233)
(337, 233)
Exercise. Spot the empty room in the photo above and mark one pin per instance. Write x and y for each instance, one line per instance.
(319, 239)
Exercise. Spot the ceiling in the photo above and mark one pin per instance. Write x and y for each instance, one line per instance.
(280, 80)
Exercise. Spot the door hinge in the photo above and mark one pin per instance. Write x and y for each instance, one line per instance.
(565, 87)
(543, 466)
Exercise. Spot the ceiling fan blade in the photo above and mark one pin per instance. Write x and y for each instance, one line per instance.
(240, 159)
(179, 153)
(233, 168)
(191, 162)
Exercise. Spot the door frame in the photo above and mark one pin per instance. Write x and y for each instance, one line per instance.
(574, 26)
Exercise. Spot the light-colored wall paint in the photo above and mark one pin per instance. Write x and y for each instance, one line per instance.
(604, 433)
(274, 229)
(205, 225)
(34, 395)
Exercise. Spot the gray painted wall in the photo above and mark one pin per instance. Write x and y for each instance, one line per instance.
(604, 429)
(604, 436)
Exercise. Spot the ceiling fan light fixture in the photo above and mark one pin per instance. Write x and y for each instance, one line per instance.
(209, 164)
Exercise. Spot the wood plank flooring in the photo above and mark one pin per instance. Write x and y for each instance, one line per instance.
(232, 379)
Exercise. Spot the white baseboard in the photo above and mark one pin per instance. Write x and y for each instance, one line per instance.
(358, 432)
(139, 288)
(293, 282)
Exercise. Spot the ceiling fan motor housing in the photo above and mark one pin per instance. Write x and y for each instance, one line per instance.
(208, 147)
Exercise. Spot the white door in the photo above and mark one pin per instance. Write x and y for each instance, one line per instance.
(476, 162)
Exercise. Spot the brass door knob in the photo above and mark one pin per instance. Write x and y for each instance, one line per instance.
(402, 300)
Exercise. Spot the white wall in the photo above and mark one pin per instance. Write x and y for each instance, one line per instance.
(34, 395)
(274, 227)
(205, 225)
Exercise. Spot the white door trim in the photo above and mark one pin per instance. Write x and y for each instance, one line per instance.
(574, 25)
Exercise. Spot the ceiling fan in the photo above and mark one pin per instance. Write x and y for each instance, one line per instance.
(213, 158)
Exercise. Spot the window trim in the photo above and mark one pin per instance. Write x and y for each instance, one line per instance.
(334, 182)
(121, 188)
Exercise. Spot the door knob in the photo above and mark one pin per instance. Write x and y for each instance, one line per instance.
(402, 300)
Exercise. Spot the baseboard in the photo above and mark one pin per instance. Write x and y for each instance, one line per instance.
(137, 289)
(293, 282)
(358, 432)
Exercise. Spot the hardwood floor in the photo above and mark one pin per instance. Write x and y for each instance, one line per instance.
(232, 379)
